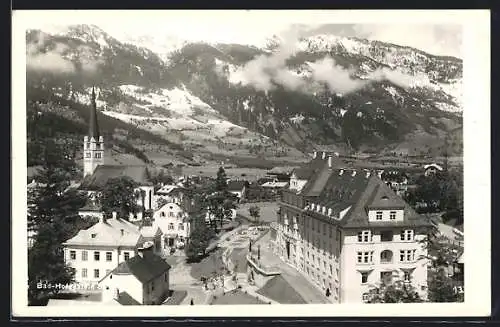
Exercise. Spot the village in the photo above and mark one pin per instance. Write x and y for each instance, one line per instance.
(330, 231)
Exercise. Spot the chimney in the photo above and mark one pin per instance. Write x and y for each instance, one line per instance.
(329, 161)
(323, 211)
(353, 173)
(114, 214)
(315, 154)
(324, 155)
(341, 172)
(329, 211)
(367, 174)
(318, 208)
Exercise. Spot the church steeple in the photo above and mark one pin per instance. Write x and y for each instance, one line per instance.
(93, 144)
(93, 125)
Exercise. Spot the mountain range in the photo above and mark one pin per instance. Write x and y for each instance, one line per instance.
(197, 101)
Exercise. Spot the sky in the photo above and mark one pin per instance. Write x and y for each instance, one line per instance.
(433, 32)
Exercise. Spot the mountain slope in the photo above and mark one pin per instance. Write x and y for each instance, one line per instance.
(234, 99)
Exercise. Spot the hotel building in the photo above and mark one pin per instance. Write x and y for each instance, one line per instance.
(346, 231)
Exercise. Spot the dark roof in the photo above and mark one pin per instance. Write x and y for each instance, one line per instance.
(91, 206)
(144, 268)
(103, 173)
(235, 185)
(316, 165)
(125, 299)
(381, 199)
(358, 213)
(93, 125)
(340, 189)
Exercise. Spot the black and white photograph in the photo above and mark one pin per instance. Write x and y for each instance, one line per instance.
(202, 159)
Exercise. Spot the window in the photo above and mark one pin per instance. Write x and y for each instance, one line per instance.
(162, 214)
(72, 255)
(84, 273)
(166, 277)
(109, 256)
(365, 236)
(126, 256)
(364, 277)
(386, 236)
(97, 155)
(170, 214)
(392, 215)
(324, 229)
(96, 273)
(181, 226)
(365, 257)
(171, 226)
(407, 235)
(152, 286)
(88, 155)
(88, 145)
(331, 269)
(386, 256)
(366, 297)
(407, 276)
(378, 215)
(407, 255)
(85, 255)
(96, 256)
(331, 231)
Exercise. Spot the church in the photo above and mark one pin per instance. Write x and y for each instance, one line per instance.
(96, 172)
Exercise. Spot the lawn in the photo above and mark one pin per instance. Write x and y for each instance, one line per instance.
(267, 211)
(236, 297)
(279, 290)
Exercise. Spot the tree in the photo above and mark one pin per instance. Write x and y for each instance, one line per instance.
(442, 288)
(394, 292)
(198, 240)
(220, 201)
(254, 212)
(119, 195)
(53, 216)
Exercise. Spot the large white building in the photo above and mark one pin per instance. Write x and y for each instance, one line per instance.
(174, 224)
(347, 231)
(95, 251)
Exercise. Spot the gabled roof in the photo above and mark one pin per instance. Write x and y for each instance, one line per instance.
(308, 170)
(145, 268)
(103, 173)
(107, 233)
(234, 186)
(384, 199)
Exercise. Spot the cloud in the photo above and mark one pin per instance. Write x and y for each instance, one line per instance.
(54, 60)
(337, 78)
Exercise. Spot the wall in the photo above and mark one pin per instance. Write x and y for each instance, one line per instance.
(160, 290)
(372, 215)
(91, 264)
(123, 283)
(351, 286)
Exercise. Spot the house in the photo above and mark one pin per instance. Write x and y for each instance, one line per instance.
(142, 279)
(237, 188)
(432, 168)
(397, 180)
(95, 251)
(175, 227)
(275, 185)
(344, 229)
(96, 173)
(169, 193)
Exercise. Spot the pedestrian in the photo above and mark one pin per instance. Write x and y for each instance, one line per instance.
(192, 302)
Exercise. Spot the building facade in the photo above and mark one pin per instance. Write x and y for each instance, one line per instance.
(347, 231)
(144, 279)
(174, 224)
(95, 251)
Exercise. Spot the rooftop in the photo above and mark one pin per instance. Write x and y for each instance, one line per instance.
(110, 232)
(145, 268)
(103, 173)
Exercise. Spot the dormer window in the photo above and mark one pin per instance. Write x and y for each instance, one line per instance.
(93, 235)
